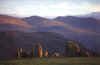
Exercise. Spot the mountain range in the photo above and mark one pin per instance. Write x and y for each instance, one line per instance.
(85, 29)
(52, 33)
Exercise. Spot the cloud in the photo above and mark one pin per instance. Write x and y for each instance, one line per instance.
(27, 8)
(95, 2)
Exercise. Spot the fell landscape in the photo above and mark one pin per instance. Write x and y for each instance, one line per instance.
(49, 38)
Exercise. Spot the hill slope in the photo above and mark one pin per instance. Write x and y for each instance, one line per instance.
(8, 23)
(75, 28)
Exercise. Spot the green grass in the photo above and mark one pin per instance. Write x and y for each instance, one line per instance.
(53, 61)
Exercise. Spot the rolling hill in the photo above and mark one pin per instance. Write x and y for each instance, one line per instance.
(8, 23)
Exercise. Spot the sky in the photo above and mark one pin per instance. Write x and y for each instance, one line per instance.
(48, 8)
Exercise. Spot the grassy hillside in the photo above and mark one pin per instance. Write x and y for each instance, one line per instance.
(53, 61)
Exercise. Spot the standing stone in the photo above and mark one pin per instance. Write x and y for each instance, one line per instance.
(19, 52)
(46, 53)
(40, 51)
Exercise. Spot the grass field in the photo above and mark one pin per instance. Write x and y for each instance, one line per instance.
(53, 61)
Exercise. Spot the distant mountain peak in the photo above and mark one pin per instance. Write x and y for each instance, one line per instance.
(35, 17)
(95, 15)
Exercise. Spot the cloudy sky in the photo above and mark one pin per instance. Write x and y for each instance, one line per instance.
(52, 8)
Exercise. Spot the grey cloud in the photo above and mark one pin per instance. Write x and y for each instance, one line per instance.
(95, 2)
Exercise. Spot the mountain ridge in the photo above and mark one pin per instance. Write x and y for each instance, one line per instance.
(73, 28)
